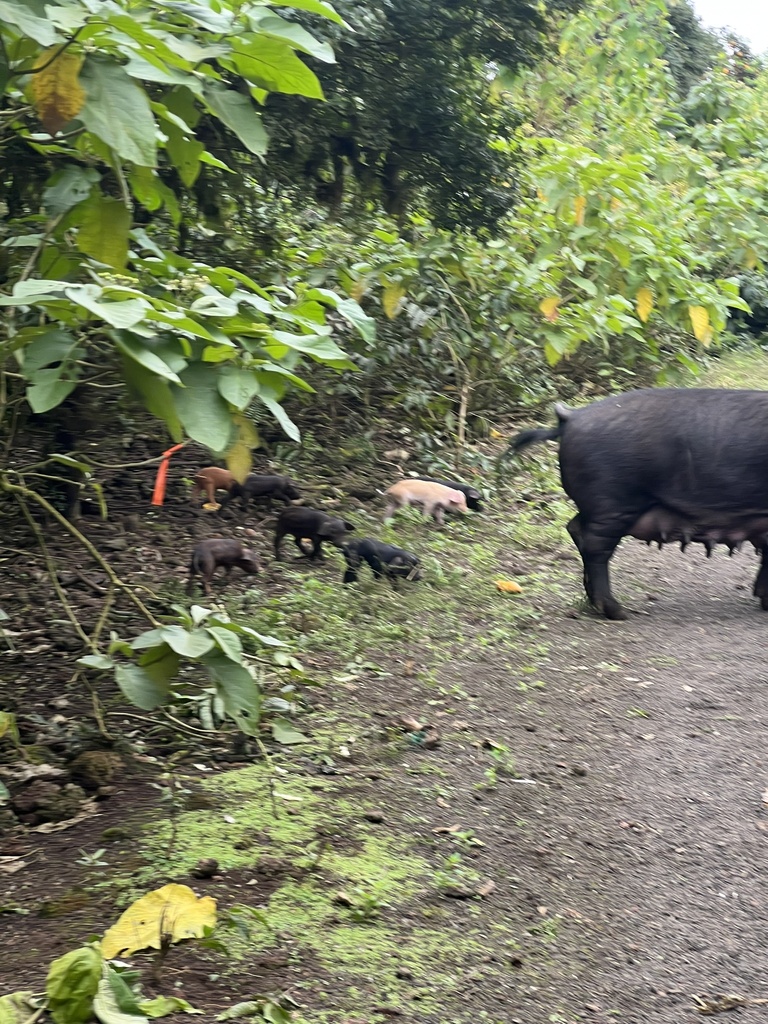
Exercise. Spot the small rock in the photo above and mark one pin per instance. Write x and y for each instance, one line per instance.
(375, 816)
(205, 868)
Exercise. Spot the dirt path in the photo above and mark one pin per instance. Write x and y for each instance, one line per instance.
(641, 850)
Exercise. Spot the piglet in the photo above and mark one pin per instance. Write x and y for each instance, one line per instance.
(473, 496)
(209, 554)
(311, 524)
(435, 499)
(258, 485)
(210, 480)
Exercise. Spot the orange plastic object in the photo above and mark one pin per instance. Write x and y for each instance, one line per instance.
(509, 586)
(158, 495)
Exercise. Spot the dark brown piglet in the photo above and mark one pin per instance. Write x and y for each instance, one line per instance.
(313, 525)
(258, 485)
(208, 555)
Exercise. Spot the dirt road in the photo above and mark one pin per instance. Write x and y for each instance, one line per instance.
(646, 835)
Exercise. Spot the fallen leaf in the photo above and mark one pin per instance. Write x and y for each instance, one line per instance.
(173, 911)
(509, 587)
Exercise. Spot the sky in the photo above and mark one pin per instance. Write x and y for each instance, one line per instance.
(747, 18)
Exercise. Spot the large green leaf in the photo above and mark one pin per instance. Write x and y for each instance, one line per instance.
(72, 983)
(124, 314)
(140, 688)
(294, 34)
(103, 224)
(203, 412)
(239, 115)
(237, 690)
(281, 416)
(155, 393)
(272, 64)
(133, 348)
(238, 385)
(19, 13)
(314, 6)
(206, 15)
(117, 111)
(49, 390)
(184, 153)
(44, 346)
(68, 187)
(188, 645)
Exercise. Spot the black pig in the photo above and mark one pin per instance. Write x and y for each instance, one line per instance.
(473, 496)
(208, 555)
(384, 560)
(257, 485)
(316, 526)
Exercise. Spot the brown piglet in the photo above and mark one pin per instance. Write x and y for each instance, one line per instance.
(210, 480)
(208, 555)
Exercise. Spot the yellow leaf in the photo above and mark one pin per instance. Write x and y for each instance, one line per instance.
(750, 259)
(391, 297)
(496, 434)
(580, 205)
(549, 307)
(700, 323)
(56, 90)
(173, 911)
(358, 289)
(509, 587)
(644, 303)
(541, 195)
(615, 204)
(239, 460)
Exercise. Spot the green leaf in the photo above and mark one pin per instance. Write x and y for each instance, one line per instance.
(228, 641)
(97, 661)
(239, 115)
(202, 14)
(272, 64)
(140, 688)
(162, 1006)
(68, 187)
(204, 414)
(281, 416)
(71, 985)
(155, 393)
(133, 349)
(160, 663)
(313, 6)
(237, 690)
(118, 112)
(17, 1007)
(238, 385)
(48, 345)
(318, 346)
(125, 314)
(284, 733)
(349, 309)
(107, 1004)
(298, 37)
(103, 225)
(49, 390)
(184, 153)
(188, 645)
(17, 12)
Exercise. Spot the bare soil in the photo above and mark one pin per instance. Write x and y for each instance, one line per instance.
(627, 850)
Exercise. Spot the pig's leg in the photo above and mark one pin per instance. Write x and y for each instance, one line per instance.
(392, 506)
(597, 541)
(437, 512)
(279, 534)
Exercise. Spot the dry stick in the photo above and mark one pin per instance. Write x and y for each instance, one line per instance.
(16, 489)
(54, 578)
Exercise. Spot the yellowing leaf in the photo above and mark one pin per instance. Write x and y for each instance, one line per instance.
(239, 460)
(700, 323)
(541, 195)
(174, 912)
(644, 303)
(750, 259)
(580, 206)
(615, 203)
(56, 90)
(358, 289)
(391, 297)
(549, 307)
(496, 434)
(509, 587)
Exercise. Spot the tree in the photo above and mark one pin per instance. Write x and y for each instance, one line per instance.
(102, 102)
(410, 114)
